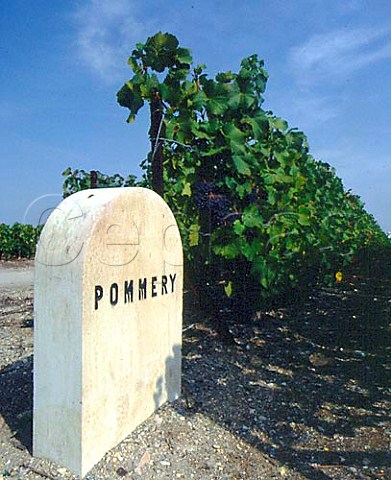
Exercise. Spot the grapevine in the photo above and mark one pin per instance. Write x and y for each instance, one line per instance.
(257, 212)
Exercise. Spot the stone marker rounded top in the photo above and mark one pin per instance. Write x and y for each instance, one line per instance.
(107, 321)
(117, 213)
(114, 218)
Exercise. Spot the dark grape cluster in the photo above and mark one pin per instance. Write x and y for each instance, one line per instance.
(202, 192)
(210, 202)
(220, 207)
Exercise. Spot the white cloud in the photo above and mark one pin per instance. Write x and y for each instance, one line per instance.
(106, 32)
(306, 110)
(338, 54)
(313, 110)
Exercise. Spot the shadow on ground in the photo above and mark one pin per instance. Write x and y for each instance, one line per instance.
(310, 390)
(16, 400)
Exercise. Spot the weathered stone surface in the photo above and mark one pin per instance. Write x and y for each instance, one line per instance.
(108, 319)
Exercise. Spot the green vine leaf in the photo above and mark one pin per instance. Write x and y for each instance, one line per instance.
(186, 189)
(241, 166)
(228, 289)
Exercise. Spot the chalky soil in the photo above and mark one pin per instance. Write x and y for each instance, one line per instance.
(295, 398)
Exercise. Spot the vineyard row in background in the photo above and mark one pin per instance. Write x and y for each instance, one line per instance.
(18, 241)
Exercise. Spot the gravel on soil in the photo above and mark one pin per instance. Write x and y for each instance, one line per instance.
(301, 394)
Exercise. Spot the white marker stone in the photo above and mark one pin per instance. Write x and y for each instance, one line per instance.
(108, 322)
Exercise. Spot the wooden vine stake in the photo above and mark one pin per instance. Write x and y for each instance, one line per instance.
(156, 131)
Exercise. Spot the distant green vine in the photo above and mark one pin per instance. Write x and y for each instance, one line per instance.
(18, 241)
(79, 179)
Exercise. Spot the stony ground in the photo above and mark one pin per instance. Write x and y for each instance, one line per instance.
(302, 394)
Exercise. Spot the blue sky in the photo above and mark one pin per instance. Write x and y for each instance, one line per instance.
(62, 62)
